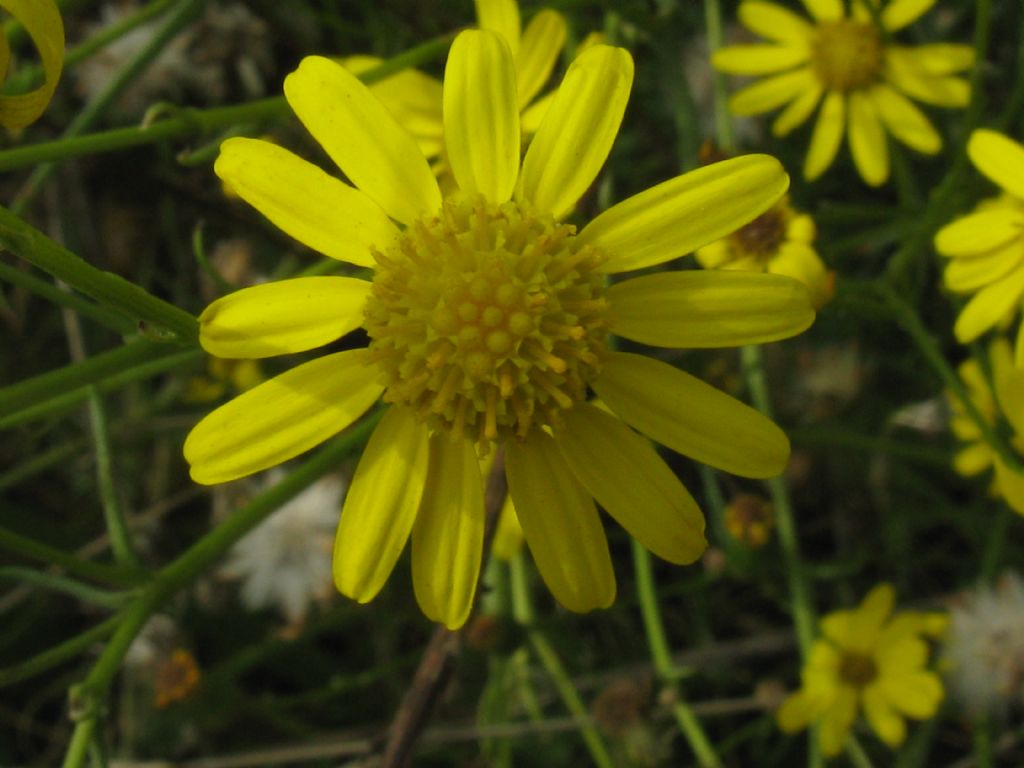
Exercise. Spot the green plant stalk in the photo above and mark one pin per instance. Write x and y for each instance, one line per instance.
(911, 323)
(62, 403)
(108, 35)
(84, 592)
(113, 514)
(92, 111)
(188, 122)
(858, 757)
(90, 693)
(58, 654)
(688, 723)
(35, 550)
(39, 463)
(785, 523)
(115, 321)
(91, 371)
(162, 318)
(522, 611)
(723, 120)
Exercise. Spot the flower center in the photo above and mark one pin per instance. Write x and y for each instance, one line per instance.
(857, 669)
(488, 320)
(762, 237)
(847, 54)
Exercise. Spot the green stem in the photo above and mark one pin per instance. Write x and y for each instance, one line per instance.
(89, 695)
(688, 723)
(89, 372)
(188, 122)
(856, 753)
(108, 35)
(33, 246)
(522, 610)
(26, 547)
(723, 120)
(58, 654)
(117, 527)
(47, 290)
(785, 523)
(83, 592)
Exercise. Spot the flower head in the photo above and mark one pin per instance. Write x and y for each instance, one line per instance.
(983, 654)
(488, 320)
(1001, 396)
(986, 247)
(780, 241)
(867, 659)
(847, 63)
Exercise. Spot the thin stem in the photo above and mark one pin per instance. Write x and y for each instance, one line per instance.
(26, 547)
(88, 696)
(723, 120)
(785, 523)
(688, 723)
(83, 592)
(58, 654)
(187, 122)
(113, 514)
(856, 753)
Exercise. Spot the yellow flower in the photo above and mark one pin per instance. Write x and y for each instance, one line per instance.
(749, 519)
(223, 376)
(415, 98)
(43, 23)
(780, 241)
(867, 660)
(488, 320)
(849, 64)
(986, 248)
(1004, 396)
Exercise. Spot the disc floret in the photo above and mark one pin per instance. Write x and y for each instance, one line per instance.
(847, 54)
(488, 320)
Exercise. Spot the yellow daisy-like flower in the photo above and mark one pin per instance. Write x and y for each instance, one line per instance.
(986, 248)
(867, 660)
(488, 320)
(415, 98)
(848, 64)
(780, 241)
(1003, 396)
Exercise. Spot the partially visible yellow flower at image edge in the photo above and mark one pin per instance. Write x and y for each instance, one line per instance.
(44, 25)
(780, 241)
(986, 248)
(860, 78)
(488, 321)
(1000, 397)
(872, 660)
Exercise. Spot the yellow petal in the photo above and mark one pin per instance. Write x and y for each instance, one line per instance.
(502, 17)
(772, 92)
(858, 629)
(973, 460)
(412, 97)
(533, 116)
(967, 274)
(801, 262)
(448, 535)
(976, 234)
(999, 158)
(635, 486)
(883, 719)
(916, 694)
(989, 305)
(691, 417)
(1010, 392)
(904, 120)
(825, 10)
(283, 317)
(899, 13)
(684, 213)
(944, 58)
(908, 72)
(538, 52)
(775, 23)
(481, 116)
(828, 133)
(561, 525)
(362, 137)
(867, 140)
(797, 712)
(578, 130)
(508, 537)
(281, 418)
(42, 21)
(698, 309)
(1011, 485)
(837, 721)
(761, 59)
(381, 505)
(798, 110)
